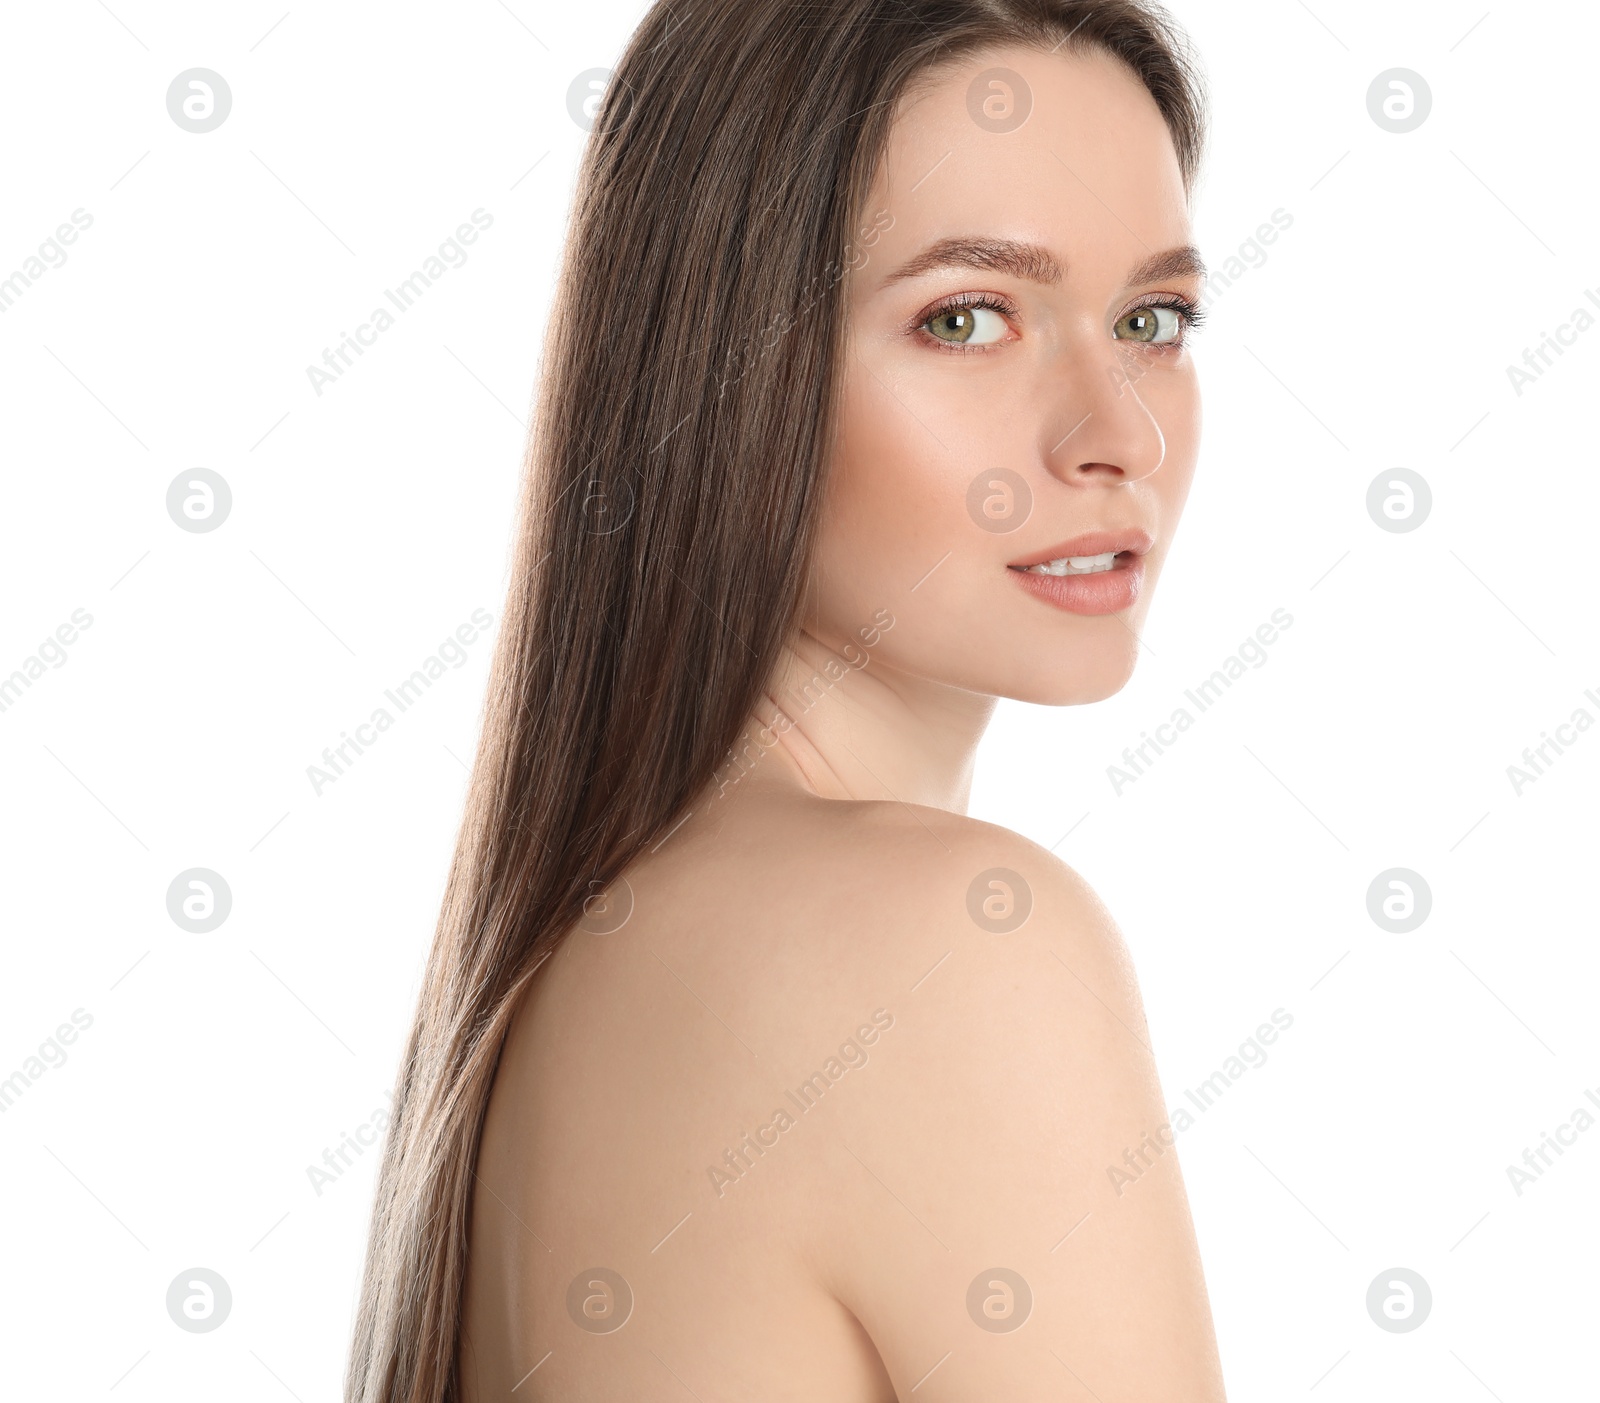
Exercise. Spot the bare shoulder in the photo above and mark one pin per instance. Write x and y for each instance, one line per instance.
(792, 925)
(849, 1087)
(970, 918)
(1004, 1157)
(988, 1140)
(784, 921)
(874, 886)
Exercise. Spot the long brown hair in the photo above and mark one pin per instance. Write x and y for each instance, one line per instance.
(676, 466)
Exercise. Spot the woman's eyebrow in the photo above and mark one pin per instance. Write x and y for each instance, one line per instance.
(1174, 263)
(1036, 263)
(1031, 261)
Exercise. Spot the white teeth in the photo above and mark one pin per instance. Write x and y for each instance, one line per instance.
(1076, 565)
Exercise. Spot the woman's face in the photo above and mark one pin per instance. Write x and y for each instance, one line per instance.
(1017, 387)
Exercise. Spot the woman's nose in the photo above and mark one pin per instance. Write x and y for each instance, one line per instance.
(1110, 434)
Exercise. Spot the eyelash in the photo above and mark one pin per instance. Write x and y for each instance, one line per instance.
(961, 302)
(1192, 315)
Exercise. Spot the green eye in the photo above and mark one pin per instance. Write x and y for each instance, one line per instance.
(966, 326)
(953, 325)
(1157, 325)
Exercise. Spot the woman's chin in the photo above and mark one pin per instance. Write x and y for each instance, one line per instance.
(1075, 682)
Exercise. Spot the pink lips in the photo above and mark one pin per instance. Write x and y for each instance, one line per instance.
(1105, 592)
(1134, 542)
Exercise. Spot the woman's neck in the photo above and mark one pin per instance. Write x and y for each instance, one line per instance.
(849, 726)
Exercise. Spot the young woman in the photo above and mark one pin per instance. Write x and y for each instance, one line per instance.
(747, 1065)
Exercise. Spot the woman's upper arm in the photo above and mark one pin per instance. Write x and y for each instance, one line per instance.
(1005, 1214)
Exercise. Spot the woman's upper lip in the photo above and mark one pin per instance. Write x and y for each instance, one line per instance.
(1136, 542)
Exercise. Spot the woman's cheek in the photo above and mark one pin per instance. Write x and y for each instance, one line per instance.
(893, 509)
(1176, 408)
(900, 465)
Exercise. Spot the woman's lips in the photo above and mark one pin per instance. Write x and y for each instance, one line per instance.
(1103, 592)
(1099, 572)
(1133, 541)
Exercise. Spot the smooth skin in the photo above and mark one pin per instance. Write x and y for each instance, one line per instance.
(815, 905)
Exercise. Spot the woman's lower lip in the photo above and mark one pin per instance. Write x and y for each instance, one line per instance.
(1104, 592)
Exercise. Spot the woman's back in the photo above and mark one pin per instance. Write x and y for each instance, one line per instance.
(813, 1121)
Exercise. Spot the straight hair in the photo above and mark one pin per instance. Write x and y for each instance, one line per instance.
(677, 460)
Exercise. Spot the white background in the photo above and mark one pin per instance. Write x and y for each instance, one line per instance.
(370, 521)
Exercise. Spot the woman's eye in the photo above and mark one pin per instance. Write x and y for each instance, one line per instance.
(967, 326)
(1159, 325)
